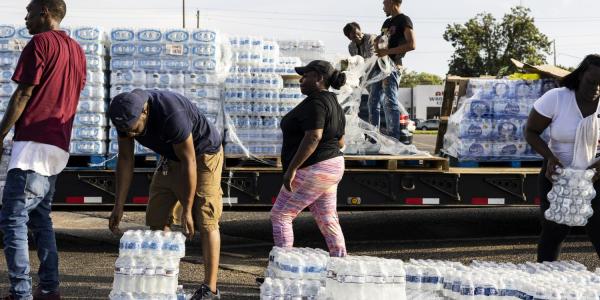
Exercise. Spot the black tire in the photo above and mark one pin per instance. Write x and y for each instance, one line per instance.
(423, 128)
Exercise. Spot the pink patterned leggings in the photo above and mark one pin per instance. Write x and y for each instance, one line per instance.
(316, 187)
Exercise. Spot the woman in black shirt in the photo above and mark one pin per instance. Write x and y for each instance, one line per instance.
(313, 163)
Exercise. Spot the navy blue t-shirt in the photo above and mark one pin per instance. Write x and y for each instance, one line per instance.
(171, 120)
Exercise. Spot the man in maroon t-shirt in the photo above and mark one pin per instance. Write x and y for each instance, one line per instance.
(50, 74)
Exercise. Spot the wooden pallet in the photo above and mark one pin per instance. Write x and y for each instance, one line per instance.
(393, 162)
(501, 164)
(258, 161)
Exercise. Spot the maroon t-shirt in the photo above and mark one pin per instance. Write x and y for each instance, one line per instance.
(56, 65)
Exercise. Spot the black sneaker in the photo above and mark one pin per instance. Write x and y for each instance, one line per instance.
(204, 293)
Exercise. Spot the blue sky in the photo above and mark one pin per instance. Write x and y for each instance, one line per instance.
(574, 24)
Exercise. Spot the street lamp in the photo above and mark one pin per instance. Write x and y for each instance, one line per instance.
(183, 13)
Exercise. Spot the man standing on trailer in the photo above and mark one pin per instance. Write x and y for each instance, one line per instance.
(396, 39)
(51, 74)
(189, 171)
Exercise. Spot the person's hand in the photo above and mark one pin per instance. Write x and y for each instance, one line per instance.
(382, 52)
(288, 178)
(187, 222)
(596, 167)
(552, 164)
(115, 218)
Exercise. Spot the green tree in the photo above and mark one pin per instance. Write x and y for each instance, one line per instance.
(484, 46)
(412, 78)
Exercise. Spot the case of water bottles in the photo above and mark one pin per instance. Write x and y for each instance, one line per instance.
(306, 50)
(148, 266)
(489, 124)
(571, 197)
(432, 279)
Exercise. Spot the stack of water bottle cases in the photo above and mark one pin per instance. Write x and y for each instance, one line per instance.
(174, 60)
(256, 98)
(148, 266)
(490, 122)
(302, 273)
(12, 41)
(89, 128)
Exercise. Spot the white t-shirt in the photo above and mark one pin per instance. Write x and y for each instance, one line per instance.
(560, 105)
(46, 160)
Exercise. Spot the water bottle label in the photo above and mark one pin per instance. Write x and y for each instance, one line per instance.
(177, 36)
(149, 35)
(175, 49)
(479, 291)
(490, 291)
(467, 291)
(456, 288)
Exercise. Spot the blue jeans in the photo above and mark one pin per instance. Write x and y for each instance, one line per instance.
(27, 201)
(386, 92)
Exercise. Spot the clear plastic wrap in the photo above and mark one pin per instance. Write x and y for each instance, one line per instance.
(489, 123)
(361, 137)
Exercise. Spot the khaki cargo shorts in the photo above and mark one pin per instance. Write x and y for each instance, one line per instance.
(165, 209)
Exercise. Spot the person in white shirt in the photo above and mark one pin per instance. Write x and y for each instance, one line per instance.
(560, 111)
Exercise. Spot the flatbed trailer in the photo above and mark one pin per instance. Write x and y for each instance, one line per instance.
(370, 182)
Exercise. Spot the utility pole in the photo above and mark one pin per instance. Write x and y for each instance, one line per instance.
(183, 13)
(554, 42)
(198, 19)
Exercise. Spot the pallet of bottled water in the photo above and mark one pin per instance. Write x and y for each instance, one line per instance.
(489, 124)
(255, 98)
(177, 60)
(431, 279)
(88, 136)
(148, 266)
(571, 197)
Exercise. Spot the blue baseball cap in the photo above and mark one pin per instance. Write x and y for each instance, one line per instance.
(126, 108)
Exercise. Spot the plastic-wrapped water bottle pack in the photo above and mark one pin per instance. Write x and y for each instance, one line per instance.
(360, 277)
(275, 288)
(490, 280)
(306, 50)
(490, 122)
(571, 197)
(148, 266)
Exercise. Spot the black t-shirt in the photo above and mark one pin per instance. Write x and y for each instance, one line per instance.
(394, 27)
(171, 120)
(319, 111)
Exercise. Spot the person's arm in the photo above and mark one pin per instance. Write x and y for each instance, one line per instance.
(536, 124)
(186, 154)
(341, 143)
(308, 145)
(124, 176)
(15, 108)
